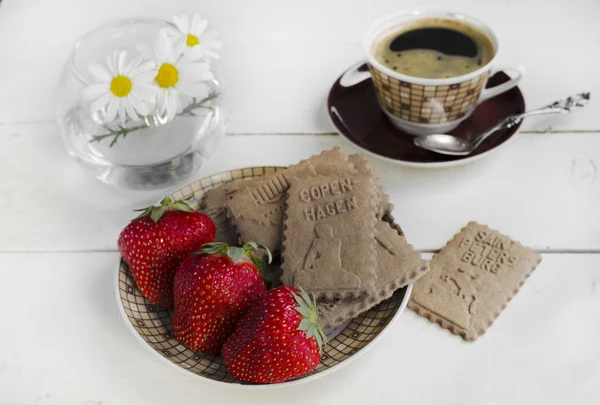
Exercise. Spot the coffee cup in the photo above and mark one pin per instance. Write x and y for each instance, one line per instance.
(430, 68)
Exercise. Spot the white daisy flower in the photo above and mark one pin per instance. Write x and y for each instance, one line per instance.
(177, 75)
(121, 88)
(196, 38)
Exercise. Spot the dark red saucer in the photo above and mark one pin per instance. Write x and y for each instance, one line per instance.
(356, 114)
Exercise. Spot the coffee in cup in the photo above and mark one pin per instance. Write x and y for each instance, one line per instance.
(430, 68)
(434, 48)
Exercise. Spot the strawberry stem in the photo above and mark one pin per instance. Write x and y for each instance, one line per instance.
(307, 307)
(235, 253)
(156, 211)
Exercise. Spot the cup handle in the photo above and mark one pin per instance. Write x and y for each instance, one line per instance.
(353, 76)
(501, 88)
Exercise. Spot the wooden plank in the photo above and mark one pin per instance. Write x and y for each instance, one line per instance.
(64, 342)
(280, 58)
(540, 189)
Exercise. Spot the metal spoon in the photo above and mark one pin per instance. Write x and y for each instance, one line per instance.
(451, 145)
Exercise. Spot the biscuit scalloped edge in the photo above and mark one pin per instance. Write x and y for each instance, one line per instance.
(333, 295)
(386, 207)
(471, 337)
(390, 289)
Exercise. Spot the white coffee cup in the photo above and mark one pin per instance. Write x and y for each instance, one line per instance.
(423, 106)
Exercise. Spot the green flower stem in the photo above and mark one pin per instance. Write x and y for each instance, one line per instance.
(198, 104)
(123, 131)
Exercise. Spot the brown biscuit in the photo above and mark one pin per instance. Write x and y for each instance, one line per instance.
(213, 205)
(328, 235)
(362, 165)
(472, 279)
(257, 211)
(398, 264)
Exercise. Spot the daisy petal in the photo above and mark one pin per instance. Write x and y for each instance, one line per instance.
(179, 48)
(202, 27)
(111, 111)
(121, 62)
(212, 43)
(182, 23)
(211, 54)
(171, 105)
(131, 69)
(194, 89)
(122, 109)
(195, 71)
(145, 77)
(161, 102)
(115, 62)
(202, 75)
(211, 33)
(163, 49)
(100, 72)
(178, 105)
(94, 91)
(130, 110)
(111, 66)
(195, 25)
(146, 91)
(100, 103)
(140, 107)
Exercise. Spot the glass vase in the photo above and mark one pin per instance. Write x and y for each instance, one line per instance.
(147, 154)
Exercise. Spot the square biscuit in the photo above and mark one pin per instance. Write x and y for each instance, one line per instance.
(398, 264)
(472, 279)
(329, 235)
(257, 211)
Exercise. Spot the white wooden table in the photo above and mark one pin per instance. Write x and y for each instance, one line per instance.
(62, 340)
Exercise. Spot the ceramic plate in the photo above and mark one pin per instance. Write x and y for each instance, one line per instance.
(153, 327)
(355, 113)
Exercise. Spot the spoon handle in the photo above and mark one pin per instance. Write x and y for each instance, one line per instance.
(563, 106)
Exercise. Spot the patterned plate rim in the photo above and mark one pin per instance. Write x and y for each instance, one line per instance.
(294, 382)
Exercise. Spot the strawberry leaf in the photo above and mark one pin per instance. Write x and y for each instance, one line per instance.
(213, 248)
(305, 296)
(235, 253)
(166, 201)
(304, 324)
(181, 206)
(311, 331)
(144, 212)
(305, 312)
(307, 307)
(256, 246)
(319, 339)
(299, 300)
(157, 212)
(258, 262)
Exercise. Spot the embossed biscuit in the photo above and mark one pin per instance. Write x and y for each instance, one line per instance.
(328, 235)
(257, 211)
(472, 279)
(398, 264)
(213, 205)
(362, 165)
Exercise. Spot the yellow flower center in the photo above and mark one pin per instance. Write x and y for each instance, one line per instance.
(167, 76)
(120, 86)
(192, 40)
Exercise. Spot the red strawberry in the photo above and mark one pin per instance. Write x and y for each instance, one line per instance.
(278, 339)
(155, 243)
(213, 289)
